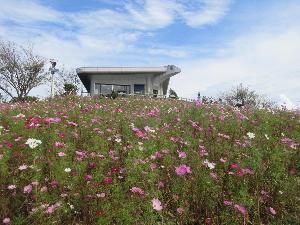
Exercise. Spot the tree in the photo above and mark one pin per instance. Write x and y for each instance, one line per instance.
(240, 96)
(20, 70)
(67, 82)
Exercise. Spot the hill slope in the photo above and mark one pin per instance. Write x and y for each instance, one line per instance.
(142, 161)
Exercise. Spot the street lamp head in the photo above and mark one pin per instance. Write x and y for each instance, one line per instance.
(53, 63)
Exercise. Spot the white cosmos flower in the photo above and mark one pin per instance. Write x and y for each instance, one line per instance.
(68, 170)
(210, 165)
(118, 140)
(251, 135)
(20, 115)
(267, 137)
(33, 143)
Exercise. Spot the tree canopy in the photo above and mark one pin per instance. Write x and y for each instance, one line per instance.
(21, 70)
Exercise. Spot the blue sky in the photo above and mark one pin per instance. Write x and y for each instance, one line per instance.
(216, 43)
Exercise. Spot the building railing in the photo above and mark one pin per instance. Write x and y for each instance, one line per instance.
(145, 96)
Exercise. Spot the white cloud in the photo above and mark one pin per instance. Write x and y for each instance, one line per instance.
(267, 62)
(154, 14)
(209, 12)
(22, 11)
(151, 14)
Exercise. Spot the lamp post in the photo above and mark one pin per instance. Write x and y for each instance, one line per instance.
(52, 70)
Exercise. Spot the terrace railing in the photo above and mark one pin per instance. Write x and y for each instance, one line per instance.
(145, 96)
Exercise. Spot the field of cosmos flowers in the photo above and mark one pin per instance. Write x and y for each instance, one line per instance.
(83, 160)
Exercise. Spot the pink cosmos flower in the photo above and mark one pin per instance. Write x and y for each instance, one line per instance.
(153, 166)
(198, 103)
(139, 133)
(234, 166)
(148, 129)
(101, 195)
(248, 171)
(92, 165)
(27, 189)
(59, 144)
(214, 176)
(181, 155)
(6, 220)
(52, 208)
(54, 184)
(49, 120)
(156, 204)
(154, 113)
(241, 209)
(107, 180)
(161, 184)
(11, 187)
(272, 211)
(264, 196)
(202, 150)
(23, 167)
(223, 160)
(32, 122)
(240, 173)
(88, 177)
(182, 170)
(70, 123)
(180, 210)
(289, 142)
(207, 221)
(43, 189)
(35, 183)
(61, 154)
(137, 190)
(227, 202)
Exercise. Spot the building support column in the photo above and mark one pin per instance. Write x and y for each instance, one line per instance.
(149, 87)
(92, 88)
(132, 88)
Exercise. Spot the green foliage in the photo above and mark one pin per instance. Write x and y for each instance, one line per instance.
(25, 99)
(94, 151)
(241, 95)
(70, 89)
(114, 95)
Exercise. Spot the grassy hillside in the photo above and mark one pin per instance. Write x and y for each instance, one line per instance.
(142, 161)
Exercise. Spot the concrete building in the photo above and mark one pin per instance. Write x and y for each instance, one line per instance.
(127, 80)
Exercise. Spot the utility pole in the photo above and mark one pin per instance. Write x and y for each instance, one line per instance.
(52, 70)
(199, 96)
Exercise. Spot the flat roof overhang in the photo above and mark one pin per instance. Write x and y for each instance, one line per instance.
(120, 70)
(84, 72)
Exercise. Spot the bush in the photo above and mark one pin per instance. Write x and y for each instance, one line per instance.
(70, 89)
(25, 99)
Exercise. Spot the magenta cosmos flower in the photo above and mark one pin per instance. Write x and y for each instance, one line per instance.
(156, 204)
(182, 170)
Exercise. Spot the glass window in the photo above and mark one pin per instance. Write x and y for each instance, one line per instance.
(106, 89)
(139, 89)
(125, 89)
